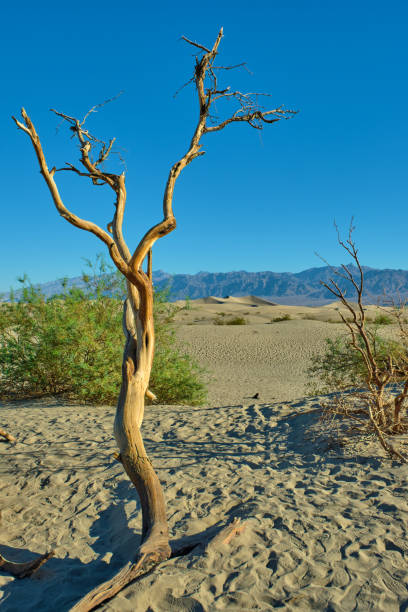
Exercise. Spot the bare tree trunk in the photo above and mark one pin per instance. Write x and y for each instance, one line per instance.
(136, 367)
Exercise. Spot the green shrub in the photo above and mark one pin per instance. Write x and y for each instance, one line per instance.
(285, 317)
(341, 367)
(349, 319)
(382, 319)
(236, 321)
(233, 321)
(71, 345)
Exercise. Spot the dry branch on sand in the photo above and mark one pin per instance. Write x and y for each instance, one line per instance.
(23, 570)
(6, 435)
(373, 408)
(138, 307)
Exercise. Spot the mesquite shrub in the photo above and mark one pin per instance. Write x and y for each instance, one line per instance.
(341, 367)
(71, 344)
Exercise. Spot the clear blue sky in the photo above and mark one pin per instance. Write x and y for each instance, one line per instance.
(257, 200)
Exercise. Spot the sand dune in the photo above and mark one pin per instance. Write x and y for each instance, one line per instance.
(326, 529)
(257, 310)
(248, 300)
(207, 300)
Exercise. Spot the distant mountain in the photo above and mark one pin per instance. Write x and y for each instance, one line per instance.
(301, 288)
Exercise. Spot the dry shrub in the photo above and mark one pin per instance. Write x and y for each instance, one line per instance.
(367, 374)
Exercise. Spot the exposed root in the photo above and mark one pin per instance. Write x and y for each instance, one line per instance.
(110, 588)
(226, 534)
(145, 563)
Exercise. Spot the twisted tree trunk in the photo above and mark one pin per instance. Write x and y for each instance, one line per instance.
(136, 368)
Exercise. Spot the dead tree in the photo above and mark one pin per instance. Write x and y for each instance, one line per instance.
(138, 307)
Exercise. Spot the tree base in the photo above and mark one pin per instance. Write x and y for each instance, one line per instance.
(147, 562)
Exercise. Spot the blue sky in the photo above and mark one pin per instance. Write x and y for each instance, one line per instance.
(257, 200)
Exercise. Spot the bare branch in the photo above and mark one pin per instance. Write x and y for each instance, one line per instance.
(249, 111)
(118, 218)
(93, 109)
(241, 65)
(254, 119)
(190, 42)
(104, 154)
(96, 180)
(149, 265)
(116, 182)
(389, 448)
(183, 86)
(119, 261)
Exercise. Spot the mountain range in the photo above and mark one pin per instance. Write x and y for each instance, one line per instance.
(300, 288)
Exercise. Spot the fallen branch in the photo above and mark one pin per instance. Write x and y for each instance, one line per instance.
(6, 435)
(22, 570)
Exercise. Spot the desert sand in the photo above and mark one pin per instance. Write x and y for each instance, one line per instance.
(325, 527)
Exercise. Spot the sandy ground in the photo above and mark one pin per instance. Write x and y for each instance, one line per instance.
(325, 529)
(263, 356)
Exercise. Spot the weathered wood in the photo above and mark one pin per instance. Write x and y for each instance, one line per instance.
(22, 570)
(148, 561)
(111, 587)
(6, 435)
